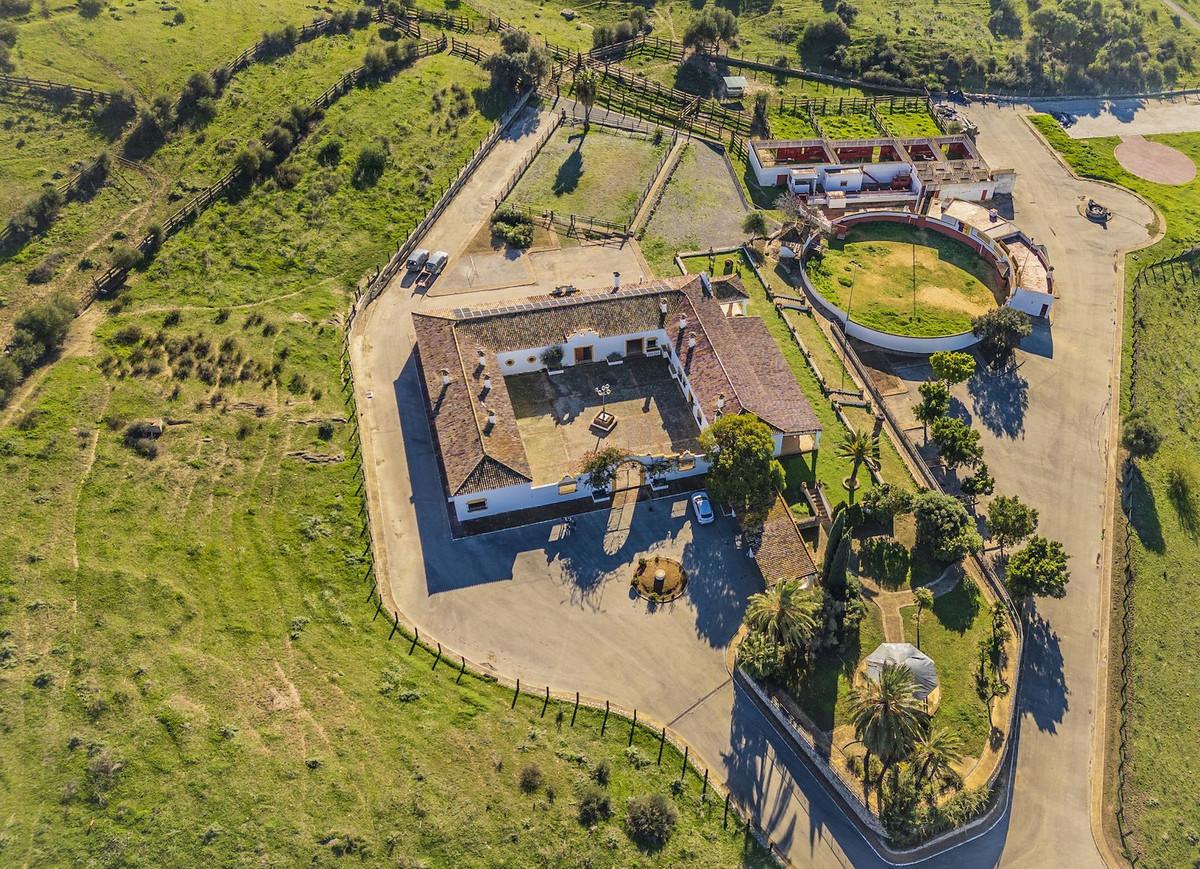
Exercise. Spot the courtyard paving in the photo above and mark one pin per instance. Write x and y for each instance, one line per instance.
(555, 414)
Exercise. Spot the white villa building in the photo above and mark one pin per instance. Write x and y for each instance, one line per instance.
(665, 358)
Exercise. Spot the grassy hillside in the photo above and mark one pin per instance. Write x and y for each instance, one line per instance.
(189, 673)
(1164, 808)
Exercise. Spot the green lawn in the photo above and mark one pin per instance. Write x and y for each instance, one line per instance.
(903, 124)
(599, 174)
(189, 673)
(136, 44)
(950, 635)
(871, 274)
(823, 692)
(1164, 795)
(789, 124)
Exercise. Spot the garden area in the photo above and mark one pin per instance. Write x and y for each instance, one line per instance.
(594, 173)
(184, 620)
(789, 123)
(851, 125)
(905, 281)
(1163, 798)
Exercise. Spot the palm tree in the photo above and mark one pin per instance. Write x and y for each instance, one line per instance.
(933, 757)
(888, 718)
(585, 94)
(784, 614)
(924, 598)
(858, 447)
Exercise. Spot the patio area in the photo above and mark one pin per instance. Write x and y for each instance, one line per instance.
(555, 413)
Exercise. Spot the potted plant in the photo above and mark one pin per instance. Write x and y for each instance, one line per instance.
(552, 358)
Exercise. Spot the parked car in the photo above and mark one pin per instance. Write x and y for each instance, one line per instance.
(702, 507)
(417, 259)
(436, 262)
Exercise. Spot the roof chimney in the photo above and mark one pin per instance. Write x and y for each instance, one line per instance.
(482, 357)
(487, 382)
(491, 416)
(616, 281)
(662, 306)
(683, 321)
(720, 401)
(706, 283)
(445, 377)
(691, 340)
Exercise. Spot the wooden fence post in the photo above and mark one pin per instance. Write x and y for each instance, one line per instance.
(662, 741)
(575, 711)
(632, 727)
(461, 670)
(683, 767)
(516, 691)
(416, 639)
(604, 724)
(438, 658)
(546, 702)
(704, 790)
(725, 817)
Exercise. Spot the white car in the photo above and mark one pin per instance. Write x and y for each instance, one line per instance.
(416, 259)
(436, 262)
(702, 507)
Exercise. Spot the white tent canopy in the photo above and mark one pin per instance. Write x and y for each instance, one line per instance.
(911, 658)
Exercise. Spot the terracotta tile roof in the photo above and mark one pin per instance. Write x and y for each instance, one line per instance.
(782, 553)
(734, 357)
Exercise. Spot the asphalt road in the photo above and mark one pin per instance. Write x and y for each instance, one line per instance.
(1056, 461)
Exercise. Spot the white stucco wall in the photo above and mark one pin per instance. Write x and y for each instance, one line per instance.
(529, 359)
(1031, 302)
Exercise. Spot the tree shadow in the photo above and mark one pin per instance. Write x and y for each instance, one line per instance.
(956, 610)
(567, 178)
(1000, 396)
(1183, 499)
(1044, 695)
(1144, 516)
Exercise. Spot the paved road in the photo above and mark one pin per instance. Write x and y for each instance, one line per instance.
(1128, 117)
(482, 596)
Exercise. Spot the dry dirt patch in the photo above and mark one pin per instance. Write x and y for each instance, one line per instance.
(1155, 161)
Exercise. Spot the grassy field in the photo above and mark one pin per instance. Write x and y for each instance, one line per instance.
(39, 147)
(598, 174)
(87, 231)
(136, 43)
(871, 273)
(789, 124)
(188, 671)
(700, 208)
(1164, 795)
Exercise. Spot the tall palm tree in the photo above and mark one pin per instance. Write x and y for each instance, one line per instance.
(933, 757)
(924, 599)
(585, 94)
(858, 447)
(888, 718)
(784, 613)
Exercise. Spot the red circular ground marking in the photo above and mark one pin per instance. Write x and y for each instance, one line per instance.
(1154, 161)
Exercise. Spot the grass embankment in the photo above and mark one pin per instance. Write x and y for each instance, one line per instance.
(190, 673)
(1164, 786)
(597, 174)
(138, 44)
(871, 273)
(85, 233)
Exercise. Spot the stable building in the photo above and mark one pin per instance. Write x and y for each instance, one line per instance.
(878, 173)
(519, 396)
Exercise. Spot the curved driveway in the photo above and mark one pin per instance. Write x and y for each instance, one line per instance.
(555, 610)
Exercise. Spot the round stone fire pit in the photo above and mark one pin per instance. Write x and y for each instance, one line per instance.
(659, 579)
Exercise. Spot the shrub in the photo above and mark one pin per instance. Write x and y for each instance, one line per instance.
(602, 772)
(126, 257)
(330, 153)
(40, 330)
(651, 819)
(1140, 435)
(44, 271)
(531, 777)
(249, 160)
(118, 110)
(514, 228)
(371, 162)
(594, 806)
(90, 8)
(15, 7)
(37, 215)
(325, 431)
(10, 376)
(945, 527)
(277, 42)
